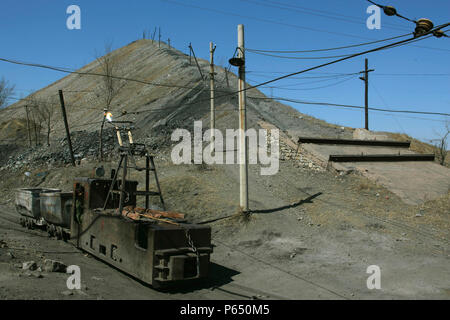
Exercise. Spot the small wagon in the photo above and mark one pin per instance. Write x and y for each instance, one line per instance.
(28, 205)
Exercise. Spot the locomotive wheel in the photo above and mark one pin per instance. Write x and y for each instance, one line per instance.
(22, 222)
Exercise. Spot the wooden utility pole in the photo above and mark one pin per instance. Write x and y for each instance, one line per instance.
(366, 82)
(159, 37)
(243, 170)
(190, 53)
(196, 62)
(168, 42)
(212, 48)
(28, 125)
(63, 109)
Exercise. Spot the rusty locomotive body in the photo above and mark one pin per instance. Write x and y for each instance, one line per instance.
(154, 251)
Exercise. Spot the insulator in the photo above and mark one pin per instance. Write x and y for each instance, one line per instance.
(438, 33)
(389, 11)
(423, 26)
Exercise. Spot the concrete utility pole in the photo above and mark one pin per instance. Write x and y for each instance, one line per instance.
(63, 108)
(212, 48)
(243, 170)
(366, 81)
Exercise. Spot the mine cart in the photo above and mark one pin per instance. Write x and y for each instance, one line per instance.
(56, 208)
(28, 205)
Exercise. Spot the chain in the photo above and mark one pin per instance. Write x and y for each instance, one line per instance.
(190, 242)
(194, 249)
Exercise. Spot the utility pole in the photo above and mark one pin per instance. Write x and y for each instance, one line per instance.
(28, 125)
(212, 48)
(154, 34)
(366, 81)
(168, 42)
(243, 170)
(190, 53)
(159, 37)
(196, 62)
(63, 108)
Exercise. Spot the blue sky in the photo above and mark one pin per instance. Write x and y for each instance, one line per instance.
(412, 77)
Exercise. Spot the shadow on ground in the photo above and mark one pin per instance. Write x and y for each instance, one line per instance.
(293, 205)
(218, 276)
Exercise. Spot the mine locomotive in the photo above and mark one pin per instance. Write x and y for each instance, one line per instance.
(101, 217)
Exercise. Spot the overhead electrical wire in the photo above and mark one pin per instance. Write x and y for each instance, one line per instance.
(307, 58)
(65, 70)
(262, 20)
(328, 49)
(394, 11)
(275, 22)
(314, 88)
(40, 102)
(328, 14)
(291, 9)
(309, 82)
(352, 106)
(391, 45)
(297, 58)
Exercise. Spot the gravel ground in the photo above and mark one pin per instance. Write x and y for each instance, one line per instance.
(311, 235)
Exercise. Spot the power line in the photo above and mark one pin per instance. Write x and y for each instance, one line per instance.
(262, 20)
(322, 79)
(93, 74)
(326, 77)
(385, 104)
(39, 103)
(410, 40)
(391, 45)
(261, 74)
(330, 15)
(327, 49)
(275, 22)
(307, 58)
(391, 11)
(412, 74)
(402, 42)
(352, 106)
(314, 88)
(297, 58)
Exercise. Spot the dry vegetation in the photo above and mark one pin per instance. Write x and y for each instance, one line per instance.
(419, 146)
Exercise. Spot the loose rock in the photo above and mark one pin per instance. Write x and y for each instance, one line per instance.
(29, 265)
(54, 266)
